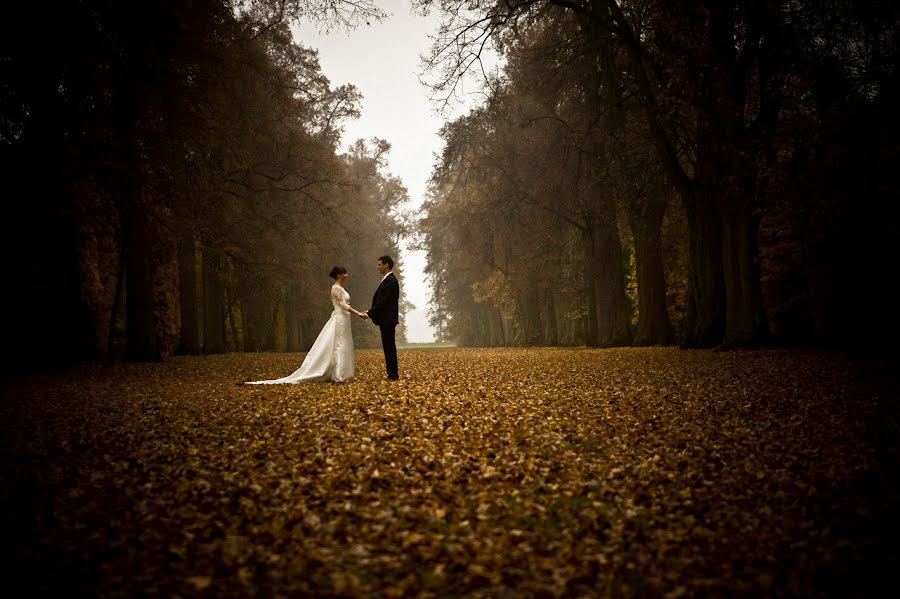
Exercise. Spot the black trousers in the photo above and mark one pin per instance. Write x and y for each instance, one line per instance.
(389, 343)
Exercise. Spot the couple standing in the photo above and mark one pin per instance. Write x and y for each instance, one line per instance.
(332, 356)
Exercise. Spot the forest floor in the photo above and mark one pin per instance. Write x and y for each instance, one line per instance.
(495, 473)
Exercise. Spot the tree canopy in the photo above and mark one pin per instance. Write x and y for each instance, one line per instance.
(175, 178)
(666, 170)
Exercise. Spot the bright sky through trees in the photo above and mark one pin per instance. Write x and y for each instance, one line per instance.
(382, 61)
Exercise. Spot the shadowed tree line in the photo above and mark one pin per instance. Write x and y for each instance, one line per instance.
(652, 172)
(173, 182)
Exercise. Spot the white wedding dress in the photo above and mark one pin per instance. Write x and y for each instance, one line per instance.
(331, 357)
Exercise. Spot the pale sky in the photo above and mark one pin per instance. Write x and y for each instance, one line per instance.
(382, 61)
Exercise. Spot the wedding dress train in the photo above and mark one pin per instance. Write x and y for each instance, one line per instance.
(331, 357)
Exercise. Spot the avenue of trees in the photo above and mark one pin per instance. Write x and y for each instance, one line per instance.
(172, 180)
(640, 172)
(712, 173)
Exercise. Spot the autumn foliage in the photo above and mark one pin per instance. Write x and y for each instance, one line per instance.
(177, 180)
(715, 172)
(540, 472)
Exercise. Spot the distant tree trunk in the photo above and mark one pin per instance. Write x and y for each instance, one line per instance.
(489, 330)
(294, 334)
(549, 330)
(723, 165)
(190, 342)
(251, 334)
(607, 277)
(530, 319)
(592, 327)
(613, 318)
(141, 342)
(259, 325)
(233, 311)
(480, 334)
(745, 322)
(653, 327)
(266, 329)
(704, 314)
(307, 334)
(233, 316)
(508, 329)
(279, 326)
(705, 310)
(497, 328)
(213, 304)
(117, 305)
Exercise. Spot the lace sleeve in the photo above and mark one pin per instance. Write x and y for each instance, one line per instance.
(337, 294)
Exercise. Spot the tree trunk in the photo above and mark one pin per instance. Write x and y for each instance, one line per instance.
(233, 339)
(592, 327)
(653, 327)
(530, 316)
(493, 329)
(745, 322)
(705, 310)
(548, 318)
(213, 304)
(267, 320)
(303, 330)
(117, 306)
(605, 266)
(293, 323)
(233, 310)
(259, 324)
(506, 329)
(489, 330)
(190, 342)
(279, 326)
(251, 326)
(141, 338)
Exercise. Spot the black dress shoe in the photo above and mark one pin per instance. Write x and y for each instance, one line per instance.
(393, 378)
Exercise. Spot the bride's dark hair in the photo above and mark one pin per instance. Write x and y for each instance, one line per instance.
(337, 270)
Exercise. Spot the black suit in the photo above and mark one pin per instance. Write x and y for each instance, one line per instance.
(385, 312)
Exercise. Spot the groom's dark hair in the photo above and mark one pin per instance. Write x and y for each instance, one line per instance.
(387, 260)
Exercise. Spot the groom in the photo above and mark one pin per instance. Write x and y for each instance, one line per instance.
(385, 313)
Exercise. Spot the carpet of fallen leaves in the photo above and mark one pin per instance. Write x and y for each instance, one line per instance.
(517, 472)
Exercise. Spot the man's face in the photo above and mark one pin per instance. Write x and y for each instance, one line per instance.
(382, 267)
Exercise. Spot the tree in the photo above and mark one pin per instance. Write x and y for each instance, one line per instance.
(187, 150)
(712, 81)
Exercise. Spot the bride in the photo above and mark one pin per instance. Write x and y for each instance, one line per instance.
(331, 357)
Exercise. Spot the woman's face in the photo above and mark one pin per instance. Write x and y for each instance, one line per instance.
(342, 277)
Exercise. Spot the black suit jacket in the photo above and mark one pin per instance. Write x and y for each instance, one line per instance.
(385, 308)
